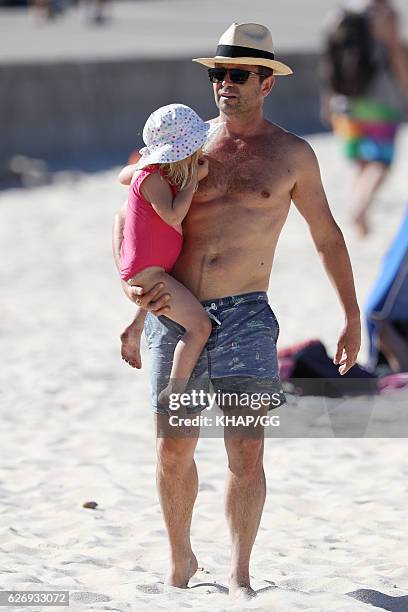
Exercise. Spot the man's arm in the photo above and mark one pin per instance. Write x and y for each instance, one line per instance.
(310, 199)
(153, 300)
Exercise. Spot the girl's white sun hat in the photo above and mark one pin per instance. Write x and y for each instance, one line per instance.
(172, 133)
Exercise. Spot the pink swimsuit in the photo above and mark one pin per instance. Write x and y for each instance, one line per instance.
(147, 239)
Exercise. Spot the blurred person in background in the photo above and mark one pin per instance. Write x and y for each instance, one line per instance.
(42, 9)
(364, 73)
(45, 10)
(95, 10)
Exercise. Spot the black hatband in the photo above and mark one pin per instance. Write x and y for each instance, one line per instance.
(235, 51)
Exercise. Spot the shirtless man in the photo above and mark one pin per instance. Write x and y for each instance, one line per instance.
(230, 233)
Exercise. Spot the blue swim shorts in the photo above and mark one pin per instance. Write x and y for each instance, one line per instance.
(239, 357)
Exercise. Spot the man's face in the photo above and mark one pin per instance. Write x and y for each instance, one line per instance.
(234, 99)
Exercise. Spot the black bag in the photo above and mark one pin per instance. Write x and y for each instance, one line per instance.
(349, 64)
(314, 373)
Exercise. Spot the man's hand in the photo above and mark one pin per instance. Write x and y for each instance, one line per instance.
(154, 300)
(348, 346)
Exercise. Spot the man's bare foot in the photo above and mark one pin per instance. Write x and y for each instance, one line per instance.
(241, 590)
(241, 593)
(180, 573)
(130, 348)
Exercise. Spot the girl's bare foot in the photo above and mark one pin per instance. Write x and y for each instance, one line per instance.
(130, 348)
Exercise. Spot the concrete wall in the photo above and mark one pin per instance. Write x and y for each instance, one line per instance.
(69, 113)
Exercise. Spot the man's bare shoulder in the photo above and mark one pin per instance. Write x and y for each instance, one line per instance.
(297, 152)
(294, 143)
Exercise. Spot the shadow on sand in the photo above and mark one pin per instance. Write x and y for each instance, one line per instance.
(368, 596)
(220, 588)
(380, 600)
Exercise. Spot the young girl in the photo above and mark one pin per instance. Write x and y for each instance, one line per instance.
(160, 195)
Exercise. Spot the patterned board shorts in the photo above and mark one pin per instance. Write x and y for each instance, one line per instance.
(368, 131)
(239, 358)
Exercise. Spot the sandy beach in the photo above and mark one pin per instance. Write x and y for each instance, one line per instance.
(77, 426)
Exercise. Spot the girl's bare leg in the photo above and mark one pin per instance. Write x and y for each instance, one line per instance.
(187, 311)
(131, 335)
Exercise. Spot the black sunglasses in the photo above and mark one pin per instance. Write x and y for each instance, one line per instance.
(237, 75)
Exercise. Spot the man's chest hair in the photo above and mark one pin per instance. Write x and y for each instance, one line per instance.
(257, 170)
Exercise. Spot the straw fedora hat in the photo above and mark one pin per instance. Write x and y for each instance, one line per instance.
(246, 43)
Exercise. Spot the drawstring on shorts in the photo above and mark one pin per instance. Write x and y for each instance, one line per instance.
(208, 309)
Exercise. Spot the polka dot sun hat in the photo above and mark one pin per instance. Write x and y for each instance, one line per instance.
(172, 133)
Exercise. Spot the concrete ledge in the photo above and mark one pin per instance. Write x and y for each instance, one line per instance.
(66, 111)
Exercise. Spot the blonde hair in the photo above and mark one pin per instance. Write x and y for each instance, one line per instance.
(180, 173)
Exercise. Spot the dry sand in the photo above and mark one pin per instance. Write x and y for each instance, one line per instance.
(76, 426)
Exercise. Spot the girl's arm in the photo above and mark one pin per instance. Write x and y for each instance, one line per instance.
(171, 209)
(126, 174)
